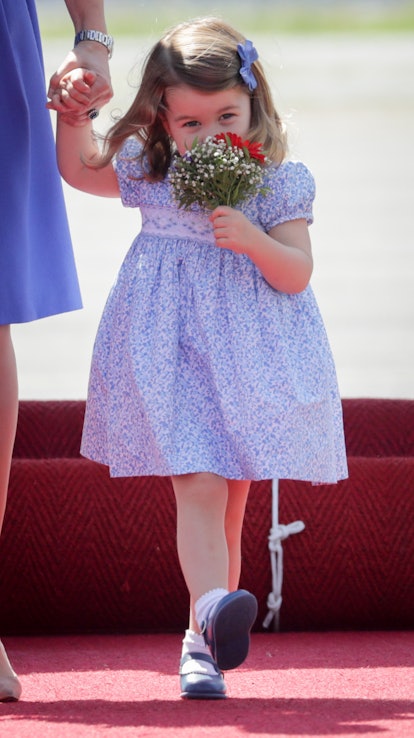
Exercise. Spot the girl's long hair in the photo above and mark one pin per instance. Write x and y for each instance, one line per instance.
(202, 54)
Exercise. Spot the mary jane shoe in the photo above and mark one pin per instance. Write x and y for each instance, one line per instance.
(196, 683)
(227, 630)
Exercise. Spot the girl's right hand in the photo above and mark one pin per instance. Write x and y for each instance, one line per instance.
(87, 55)
(72, 99)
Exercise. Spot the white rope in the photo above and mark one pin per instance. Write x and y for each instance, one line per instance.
(278, 533)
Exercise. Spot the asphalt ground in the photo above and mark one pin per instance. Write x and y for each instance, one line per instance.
(349, 105)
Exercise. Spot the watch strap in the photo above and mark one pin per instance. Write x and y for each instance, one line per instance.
(101, 38)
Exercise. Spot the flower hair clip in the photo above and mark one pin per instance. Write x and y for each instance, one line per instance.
(248, 55)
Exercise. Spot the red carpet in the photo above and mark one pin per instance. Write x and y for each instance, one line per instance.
(293, 684)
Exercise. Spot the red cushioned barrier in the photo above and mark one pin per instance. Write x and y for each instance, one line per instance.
(375, 427)
(81, 552)
(49, 429)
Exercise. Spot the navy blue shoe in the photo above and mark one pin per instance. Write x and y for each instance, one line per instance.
(197, 685)
(227, 631)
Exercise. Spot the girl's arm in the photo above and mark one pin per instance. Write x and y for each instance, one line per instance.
(284, 255)
(75, 146)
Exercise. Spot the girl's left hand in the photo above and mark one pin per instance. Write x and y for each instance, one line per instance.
(232, 230)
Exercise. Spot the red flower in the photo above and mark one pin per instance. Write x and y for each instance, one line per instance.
(231, 139)
(254, 149)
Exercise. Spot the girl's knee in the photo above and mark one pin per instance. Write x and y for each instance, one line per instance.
(199, 485)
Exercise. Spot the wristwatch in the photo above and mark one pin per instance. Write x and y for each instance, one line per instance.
(101, 38)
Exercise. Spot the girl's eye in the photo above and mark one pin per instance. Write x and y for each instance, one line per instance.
(227, 116)
(191, 124)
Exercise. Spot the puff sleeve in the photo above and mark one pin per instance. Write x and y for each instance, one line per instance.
(290, 195)
(129, 172)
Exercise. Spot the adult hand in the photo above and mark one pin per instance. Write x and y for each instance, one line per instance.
(91, 56)
(75, 96)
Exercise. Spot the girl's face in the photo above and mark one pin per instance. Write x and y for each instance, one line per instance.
(193, 113)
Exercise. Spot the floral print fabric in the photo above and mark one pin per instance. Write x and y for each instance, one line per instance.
(199, 364)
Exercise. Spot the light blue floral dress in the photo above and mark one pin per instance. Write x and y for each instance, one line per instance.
(199, 364)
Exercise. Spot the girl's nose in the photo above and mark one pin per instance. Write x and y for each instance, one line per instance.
(212, 131)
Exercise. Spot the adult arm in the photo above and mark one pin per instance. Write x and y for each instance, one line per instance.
(91, 55)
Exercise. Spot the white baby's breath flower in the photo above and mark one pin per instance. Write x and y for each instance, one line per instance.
(223, 170)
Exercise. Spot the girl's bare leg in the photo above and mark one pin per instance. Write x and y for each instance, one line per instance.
(10, 688)
(235, 492)
(201, 538)
(238, 492)
(210, 512)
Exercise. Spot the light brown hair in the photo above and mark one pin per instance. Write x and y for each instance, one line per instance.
(201, 53)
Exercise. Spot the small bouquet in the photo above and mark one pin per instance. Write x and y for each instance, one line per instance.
(222, 170)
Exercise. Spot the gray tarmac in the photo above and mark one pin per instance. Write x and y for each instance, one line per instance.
(349, 106)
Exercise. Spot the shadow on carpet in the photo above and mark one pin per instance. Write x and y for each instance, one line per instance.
(293, 684)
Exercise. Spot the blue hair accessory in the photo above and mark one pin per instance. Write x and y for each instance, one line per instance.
(248, 55)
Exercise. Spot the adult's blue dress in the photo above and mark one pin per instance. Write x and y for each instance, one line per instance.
(37, 268)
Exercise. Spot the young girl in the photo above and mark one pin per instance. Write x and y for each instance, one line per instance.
(211, 363)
